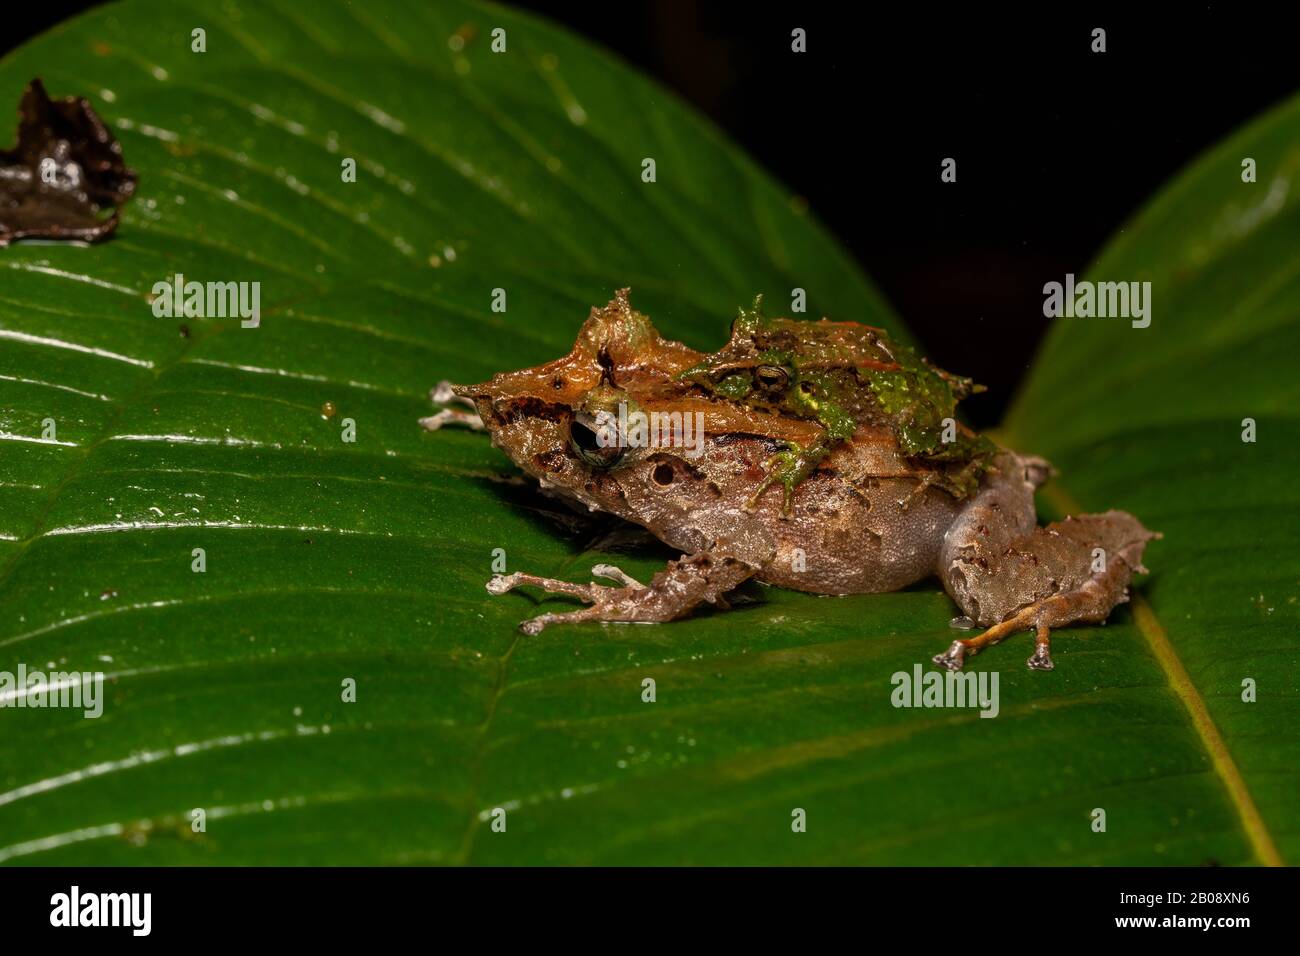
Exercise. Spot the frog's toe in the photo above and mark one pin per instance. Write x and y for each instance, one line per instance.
(535, 625)
(751, 503)
(953, 658)
(453, 416)
(1041, 660)
(466, 415)
(606, 610)
(610, 573)
(501, 583)
(784, 468)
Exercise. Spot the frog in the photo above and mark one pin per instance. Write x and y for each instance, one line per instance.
(869, 515)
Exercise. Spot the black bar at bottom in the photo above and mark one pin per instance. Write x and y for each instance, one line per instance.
(332, 906)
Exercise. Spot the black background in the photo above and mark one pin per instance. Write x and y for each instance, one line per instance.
(1056, 147)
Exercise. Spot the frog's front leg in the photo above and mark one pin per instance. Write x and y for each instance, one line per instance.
(674, 592)
(1008, 574)
(790, 467)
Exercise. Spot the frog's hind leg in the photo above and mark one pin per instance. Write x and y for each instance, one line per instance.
(1008, 574)
(1074, 570)
(1040, 660)
(674, 592)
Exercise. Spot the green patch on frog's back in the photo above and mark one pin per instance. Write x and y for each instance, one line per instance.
(843, 374)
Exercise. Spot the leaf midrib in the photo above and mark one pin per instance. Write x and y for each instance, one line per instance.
(1180, 683)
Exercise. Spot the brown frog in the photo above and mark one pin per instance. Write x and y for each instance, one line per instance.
(645, 428)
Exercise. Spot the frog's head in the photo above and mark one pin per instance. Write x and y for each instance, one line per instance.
(559, 421)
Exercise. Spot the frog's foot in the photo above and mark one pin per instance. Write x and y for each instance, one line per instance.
(674, 592)
(466, 416)
(1041, 659)
(789, 467)
(955, 656)
(1077, 569)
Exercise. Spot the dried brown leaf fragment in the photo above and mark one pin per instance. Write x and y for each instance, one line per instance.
(64, 173)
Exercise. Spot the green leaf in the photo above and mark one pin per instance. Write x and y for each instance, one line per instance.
(1154, 420)
(329, 560)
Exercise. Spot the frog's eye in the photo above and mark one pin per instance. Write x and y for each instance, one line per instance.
(771, 378)
(596, 444)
